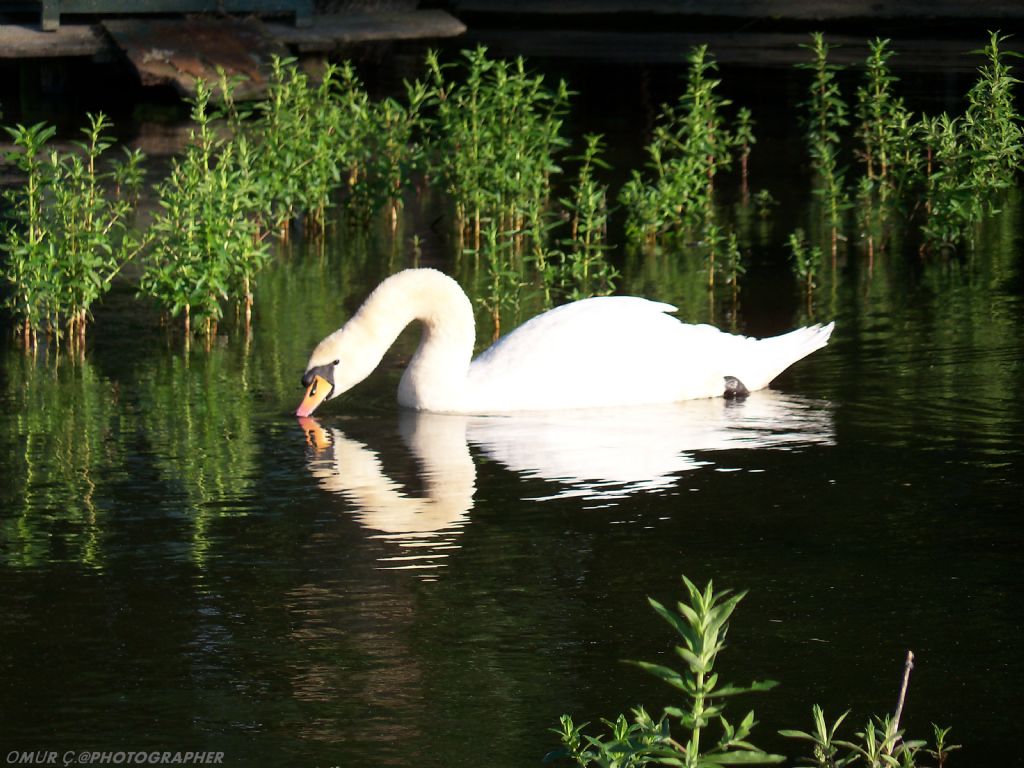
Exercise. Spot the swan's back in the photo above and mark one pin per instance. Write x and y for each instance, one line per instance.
(613, 351)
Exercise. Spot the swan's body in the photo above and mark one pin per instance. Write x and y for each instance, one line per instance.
(609, 351)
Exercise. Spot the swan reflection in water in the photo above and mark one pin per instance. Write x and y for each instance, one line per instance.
(600, 456)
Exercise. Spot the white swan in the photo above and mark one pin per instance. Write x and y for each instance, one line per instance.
(608, 351)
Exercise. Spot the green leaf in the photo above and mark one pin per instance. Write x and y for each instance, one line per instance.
(745, 758)
(757, 686)
(789, 734)
(675, 621)
(695, 662)
(667, 674)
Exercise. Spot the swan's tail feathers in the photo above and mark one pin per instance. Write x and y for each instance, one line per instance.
(772, 356)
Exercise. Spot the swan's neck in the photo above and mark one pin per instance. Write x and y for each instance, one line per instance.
(435, 378)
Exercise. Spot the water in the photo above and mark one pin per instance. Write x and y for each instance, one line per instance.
(185, 566)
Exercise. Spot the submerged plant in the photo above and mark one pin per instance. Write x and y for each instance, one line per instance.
(701, 622)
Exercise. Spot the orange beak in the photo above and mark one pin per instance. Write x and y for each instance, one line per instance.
(316, 394)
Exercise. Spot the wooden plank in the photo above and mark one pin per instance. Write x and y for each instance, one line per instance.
(329, 32)
(19, 41)
(326, 33)
(179, 52)
(52, 10)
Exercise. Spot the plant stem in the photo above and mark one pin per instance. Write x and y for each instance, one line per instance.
(894, 726)
(698, 712)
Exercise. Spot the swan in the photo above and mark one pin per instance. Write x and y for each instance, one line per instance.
(598, 352)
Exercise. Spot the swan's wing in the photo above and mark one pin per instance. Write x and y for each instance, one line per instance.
(624, 351)
(601, 351)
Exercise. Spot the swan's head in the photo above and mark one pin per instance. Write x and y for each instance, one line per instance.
(338, 363)
(319, 383)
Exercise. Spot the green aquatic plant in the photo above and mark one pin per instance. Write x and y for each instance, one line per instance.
(296, 156)
(207, 242)
(881, 743)
(869, 218)
(680, 737)
(825, 116)
(391, 154)
(806, 260)
(744, 140)
(733, 266)
(711, 245)
(585, 270)
(952, 205)
(67, 236)
(878, 745)
(690, 146)
(90, 233)
(701, 621)
(314, 137)
(883, 124)
(765, 203)
(949, 171)
(503, 277)
(24, 234)
(993, 128)
(942, 748)
(890, 144)
(496, 135)
(824, 744)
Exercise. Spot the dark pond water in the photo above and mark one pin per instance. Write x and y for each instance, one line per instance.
(184, 567)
